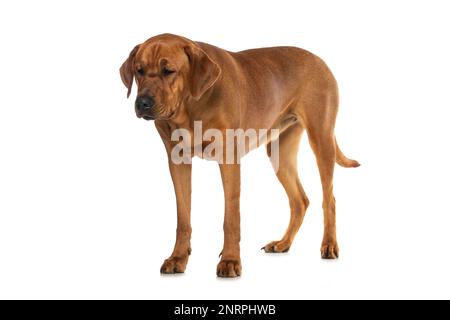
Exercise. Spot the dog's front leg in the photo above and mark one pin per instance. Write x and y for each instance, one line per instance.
(230, 264)
(181, 177)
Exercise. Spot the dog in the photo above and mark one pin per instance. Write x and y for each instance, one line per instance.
(289, 89)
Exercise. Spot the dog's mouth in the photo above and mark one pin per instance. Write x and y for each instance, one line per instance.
(145, 116)
(148, 117)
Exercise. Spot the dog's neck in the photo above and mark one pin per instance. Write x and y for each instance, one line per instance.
(190, 109)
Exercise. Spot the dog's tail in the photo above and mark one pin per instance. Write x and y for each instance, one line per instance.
(342, 160)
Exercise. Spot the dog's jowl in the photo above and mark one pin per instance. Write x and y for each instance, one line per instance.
(240, 100)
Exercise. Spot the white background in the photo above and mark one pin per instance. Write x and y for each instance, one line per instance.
(87, 208)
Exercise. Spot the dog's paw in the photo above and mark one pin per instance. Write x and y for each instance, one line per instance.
(229, 268)
(329, 251)
(174, 265)
(276, 247)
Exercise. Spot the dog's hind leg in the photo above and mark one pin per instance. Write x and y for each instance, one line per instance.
(323, 144)
(287, 174)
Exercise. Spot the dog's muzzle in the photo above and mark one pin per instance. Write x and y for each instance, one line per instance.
(144, 106)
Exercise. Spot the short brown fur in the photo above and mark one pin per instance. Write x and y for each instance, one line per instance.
(283, 88)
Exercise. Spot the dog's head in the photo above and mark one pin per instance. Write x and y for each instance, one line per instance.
(168, 69)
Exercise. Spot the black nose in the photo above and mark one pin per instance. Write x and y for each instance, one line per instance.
(144, 104)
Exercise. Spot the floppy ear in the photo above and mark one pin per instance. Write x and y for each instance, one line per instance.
(127, 72)
(203, 73)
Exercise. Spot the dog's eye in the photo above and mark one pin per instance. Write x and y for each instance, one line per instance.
(140, 71)
(166, 71)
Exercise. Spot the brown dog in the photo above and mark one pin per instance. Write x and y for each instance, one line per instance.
(285, 88)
